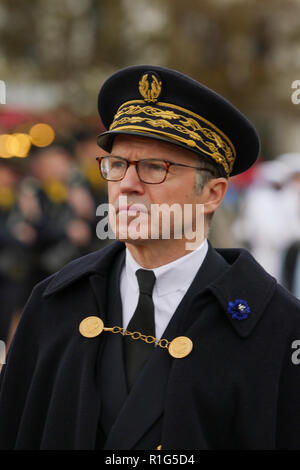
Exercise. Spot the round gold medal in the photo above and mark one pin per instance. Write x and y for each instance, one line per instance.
(180, 347)
(91, 327)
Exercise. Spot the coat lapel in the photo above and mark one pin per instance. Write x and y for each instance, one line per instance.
(113, 387)
(135, 418)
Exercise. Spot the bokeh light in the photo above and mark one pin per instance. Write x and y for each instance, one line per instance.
(14, 145)
(4, 153)
(18, 145)
(42, 135)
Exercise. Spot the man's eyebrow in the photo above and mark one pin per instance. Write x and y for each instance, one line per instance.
(144, 158)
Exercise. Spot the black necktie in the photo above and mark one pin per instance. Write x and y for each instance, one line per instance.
(137, 351)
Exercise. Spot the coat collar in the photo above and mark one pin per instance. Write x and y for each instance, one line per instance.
(244, 280)
(241, 278)
(98, 262)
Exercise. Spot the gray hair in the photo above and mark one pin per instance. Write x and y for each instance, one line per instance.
(203, 177)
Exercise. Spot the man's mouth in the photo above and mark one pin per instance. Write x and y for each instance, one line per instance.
(132, 209)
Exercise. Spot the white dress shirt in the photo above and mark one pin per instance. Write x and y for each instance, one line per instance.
(172, 282)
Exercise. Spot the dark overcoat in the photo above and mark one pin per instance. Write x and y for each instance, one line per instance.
(239, 388)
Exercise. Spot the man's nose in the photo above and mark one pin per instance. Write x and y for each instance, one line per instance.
(131, 181)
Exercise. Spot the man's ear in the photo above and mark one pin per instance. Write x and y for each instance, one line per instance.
(213, 194)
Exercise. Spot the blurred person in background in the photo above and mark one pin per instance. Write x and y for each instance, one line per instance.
(85, 151)
(87, 188)
(48, 216)
(269, 217)
(221, 233)
(65, 223)
(291, 229)
(13, 244)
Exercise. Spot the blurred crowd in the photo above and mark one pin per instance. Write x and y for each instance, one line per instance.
(47, 217)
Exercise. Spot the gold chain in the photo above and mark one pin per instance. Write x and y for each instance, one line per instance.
(162, 343)
(179, 347)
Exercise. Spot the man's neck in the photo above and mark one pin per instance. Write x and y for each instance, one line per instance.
(160, 252)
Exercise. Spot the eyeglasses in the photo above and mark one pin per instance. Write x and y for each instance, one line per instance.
(150, 171)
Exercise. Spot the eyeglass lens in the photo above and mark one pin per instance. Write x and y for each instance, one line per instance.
(149, 171)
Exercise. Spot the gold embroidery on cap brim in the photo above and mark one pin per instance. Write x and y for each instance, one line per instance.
(191, 143)
(220, 140)
(149, 110)
(191, 113)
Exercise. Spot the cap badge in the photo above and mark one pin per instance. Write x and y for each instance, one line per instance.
(238, 309)
(150, 91)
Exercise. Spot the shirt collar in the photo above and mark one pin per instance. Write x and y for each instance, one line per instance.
(170, 277)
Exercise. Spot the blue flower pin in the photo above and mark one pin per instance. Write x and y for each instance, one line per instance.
(238, 309)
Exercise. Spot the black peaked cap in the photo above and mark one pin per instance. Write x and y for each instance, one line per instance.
(167, 105)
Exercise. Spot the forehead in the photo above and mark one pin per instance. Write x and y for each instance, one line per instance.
(147, 148)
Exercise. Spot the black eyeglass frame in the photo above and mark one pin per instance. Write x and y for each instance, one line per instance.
(135, 163)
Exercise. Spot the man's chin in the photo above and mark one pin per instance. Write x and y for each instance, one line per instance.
(128, 235)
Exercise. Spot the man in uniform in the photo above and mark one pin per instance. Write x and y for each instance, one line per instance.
(146, 344)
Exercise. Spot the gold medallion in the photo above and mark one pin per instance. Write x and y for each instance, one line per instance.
(180, 347)
(91, 327)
